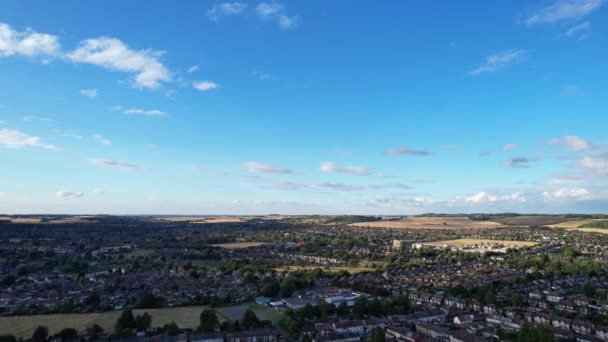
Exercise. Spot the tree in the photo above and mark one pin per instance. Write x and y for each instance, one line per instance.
(149, 301)
(68, 334)
(539, 333)
(377, 335)
(360, 306)
(40, 334)
(589, 290)
(94, 331)
(8, 338)
(342, 309)
(288, 287)
(143, 322)
(270, 289)
(208, 321)
(249, 319)
(517, 300)
(125, 323)
(171, 328)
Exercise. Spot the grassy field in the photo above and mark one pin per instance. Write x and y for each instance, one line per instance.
(238, 245)
(139, 252)
(430, 223)
(23, 326)
(349, 269)
(235, 312)
(531, 220)
(580, 226)
(467, 242)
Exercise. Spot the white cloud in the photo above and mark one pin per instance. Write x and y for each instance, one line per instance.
(150, 112)
(265, 168)
(509, 147)
(579, 31)
(594, 163)
(225, 9)
(572, 143)
(69, 194)
(113, 54)
(563, 10)
(499, 61)
(407, 151)
(27, 43)
(100, 139)
(568, 194)
(90, 93)
(485, 198)
(204, 85)
(351, 170)
(16, 140)
(273, 11)
(192, 69)
(113, 163)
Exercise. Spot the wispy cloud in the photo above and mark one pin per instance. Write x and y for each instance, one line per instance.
(265, 168)
(113, 54)
(499, 61)
(145, 112)
(518, 162)
(346, 169)
(27, 43)
(274, 11)
(580, 31)
(509, 147)
(90, 93)
(571, 143)
(69, 194)
(407, 151)
(204, 85)
(32, 118)
(563, 10)
(192, 69)
(100, 139)
(215, 12)
(114, 164)
(16, 140)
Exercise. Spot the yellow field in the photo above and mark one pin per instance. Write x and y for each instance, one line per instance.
(467, 242)
(430, 222)
(574, 224)
(23, 326)
(21, 219)
(239, 245)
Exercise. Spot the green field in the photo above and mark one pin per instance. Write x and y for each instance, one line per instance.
(23, 326)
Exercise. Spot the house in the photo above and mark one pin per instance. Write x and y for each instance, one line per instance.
(324, 329)
(399, 334)
(263, 300)
(209, 337)
(254, 335)
(582, 328)
(554, 297)
(432, 330)
(352, 327)
(561, 323)
(461, 320)
(601, 333)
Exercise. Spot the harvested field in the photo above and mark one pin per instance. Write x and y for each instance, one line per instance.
(23, 326)
(21, 219)
(532, 220)
(239, 245)
(206, 219)
(574, 223)
(430, 222)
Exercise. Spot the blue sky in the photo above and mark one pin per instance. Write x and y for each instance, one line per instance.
(209, 107)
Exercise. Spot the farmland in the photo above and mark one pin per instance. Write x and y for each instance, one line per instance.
(238, 245)
(23, 326)
(531, 220)
(467, 242)
(445, 222)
